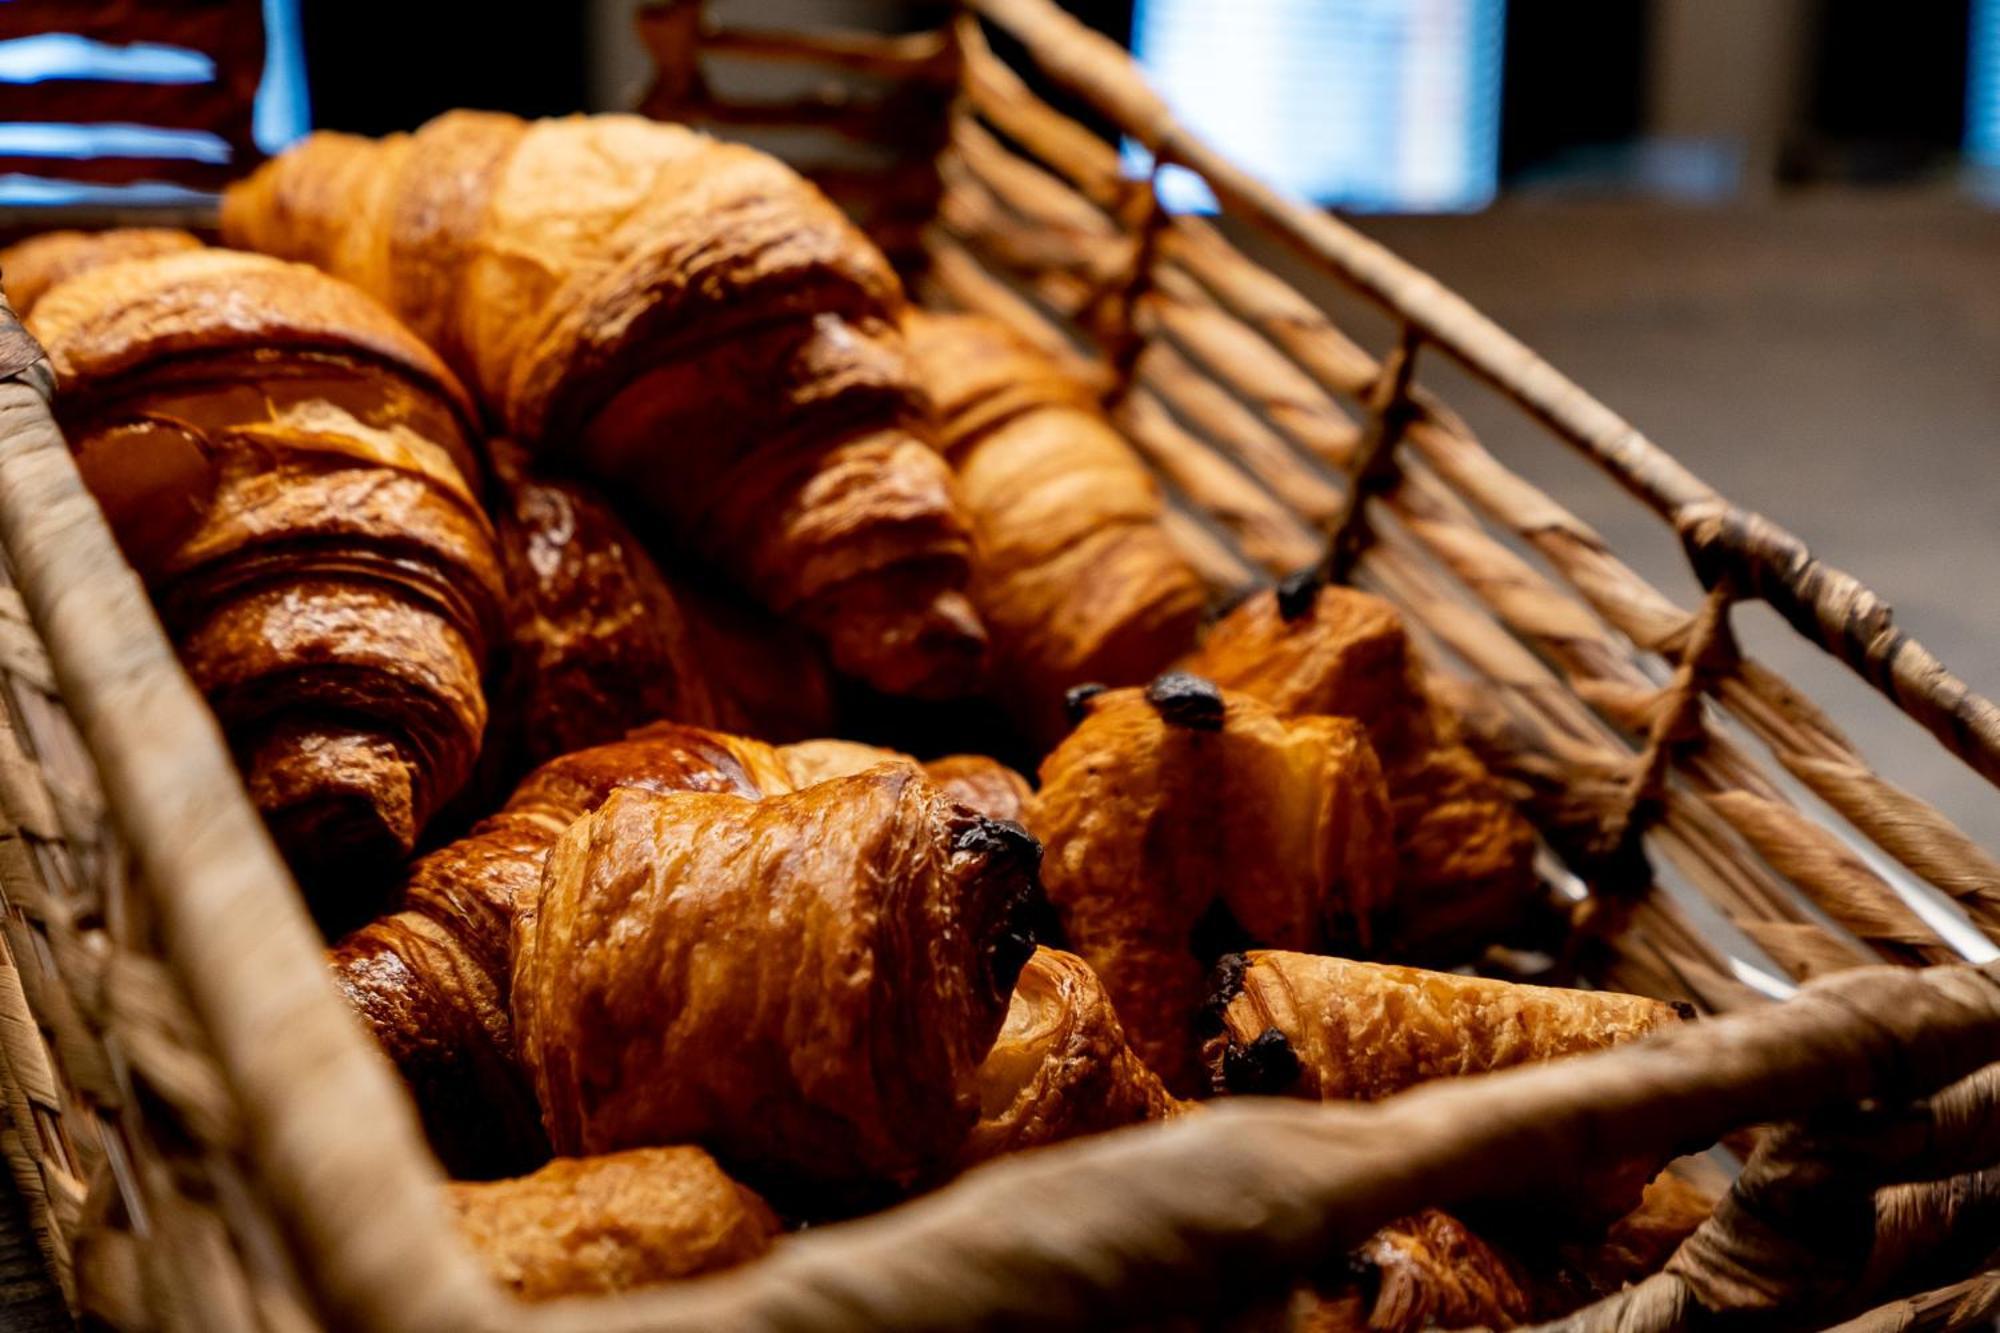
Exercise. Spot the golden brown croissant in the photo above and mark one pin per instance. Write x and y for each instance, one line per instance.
(987, 785)
(1060, 1067)
(1077, 580)
(29, 268)
(1465, 857)
(804, 985)
(1180, 820)
(431, 981)
(1305, 1025)
(1426, 1271)
(699, 323)
(292, 474)
(603, 641)
(590, 1225)
(1431, 1271)
(1336, 1030)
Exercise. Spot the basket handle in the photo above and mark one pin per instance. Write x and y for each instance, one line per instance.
(1173, 1219)
(1830, 608)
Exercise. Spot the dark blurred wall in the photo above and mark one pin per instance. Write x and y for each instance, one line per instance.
(373, 66)
(1574, 78)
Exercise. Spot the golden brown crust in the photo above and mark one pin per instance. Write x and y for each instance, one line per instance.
(1364, 1031)
(1331, 1029)
(117, 318)
(1060, 1067)
(702, 326)
(1465, 856)
(29, 268)
(804, 985)
(593, 1225)
(1179, 811)
(1076, 579)
(987, 785)
(984, 784)
(431, 981)
(1423, 1272)
(603, 642)
(282, 466)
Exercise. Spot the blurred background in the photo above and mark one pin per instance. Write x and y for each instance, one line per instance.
(1766, 231)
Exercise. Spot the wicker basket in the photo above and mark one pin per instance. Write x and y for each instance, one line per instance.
(207, 1143)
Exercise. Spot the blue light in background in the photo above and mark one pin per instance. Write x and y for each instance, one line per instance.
(1383, 105)
(65, 55)
(280, 116)
(56, 139)
(1982, 93)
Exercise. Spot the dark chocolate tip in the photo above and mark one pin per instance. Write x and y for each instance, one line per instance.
(1185, 700)
(1000, 837)
(1225, 984)
(1298, 591)
(1015, 942)
(1013, 852)
(1262, 1068)
(1076, 701)
(1688, 1013)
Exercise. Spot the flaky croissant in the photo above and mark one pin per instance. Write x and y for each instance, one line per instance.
(1180, 820)
(1465, 857)
(986, 785)
(603, 641)
(431, 981)
(1430, 1270)
(1426, 1271)
(292, 474)
(1060, 1067)
(29, 268)
(1305, 1025)
(1077, 580)
(1333, 1029)
(697, 322)
(591, 1225)
(804, 985)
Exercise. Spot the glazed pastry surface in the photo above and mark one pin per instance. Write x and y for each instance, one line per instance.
(293, 475)
(1465, 857)
(695, 323)
(1077, 579)
(1181, 820)
(1061, 1067)
(593, 1225)
(431, 981)
(29, 268)
(805, 985)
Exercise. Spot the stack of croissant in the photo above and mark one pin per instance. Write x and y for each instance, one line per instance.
(711, 971)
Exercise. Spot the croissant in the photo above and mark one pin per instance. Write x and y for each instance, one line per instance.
(591, 1225)
(1465, 857)
(695, 321)
(1336, 1030)
(1060, 1067)
(431, 980)
(986, 785)
(602, 641)
(1077, 580)
(1180, 820)
(1426, 1271)
(1431, 1271)
(29, 268)
(804, 985)
(1330, 1029)
(291, 473)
